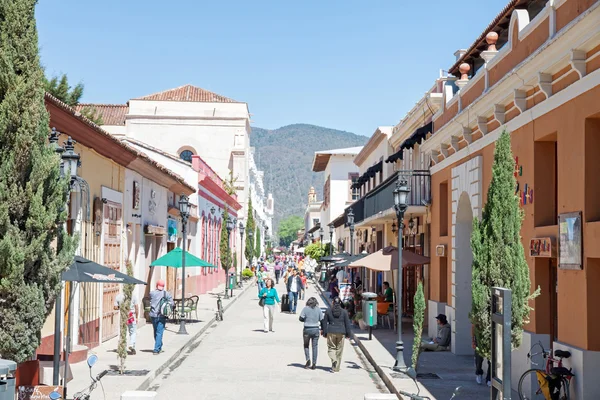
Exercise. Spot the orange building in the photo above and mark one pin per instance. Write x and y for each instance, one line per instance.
(534, 72)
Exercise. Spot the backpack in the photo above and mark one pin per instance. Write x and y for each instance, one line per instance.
(164, 306)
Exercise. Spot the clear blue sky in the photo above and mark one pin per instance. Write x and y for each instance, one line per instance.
(350, 65)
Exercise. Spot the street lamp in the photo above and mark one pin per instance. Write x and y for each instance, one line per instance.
(229, 226)
(70, 159)
(184, 211)
(242, 228)
(350, 222)
(400, 205)
(331, 228)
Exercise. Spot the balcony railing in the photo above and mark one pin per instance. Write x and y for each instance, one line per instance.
(382, 197)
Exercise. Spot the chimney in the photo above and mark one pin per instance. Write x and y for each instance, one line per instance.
(459, 53)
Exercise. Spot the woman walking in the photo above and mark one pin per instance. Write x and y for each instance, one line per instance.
(336, 326)
(269, 293)
(260, 279)
(312, 316)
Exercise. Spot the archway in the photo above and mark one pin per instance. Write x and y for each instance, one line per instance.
(461, 338)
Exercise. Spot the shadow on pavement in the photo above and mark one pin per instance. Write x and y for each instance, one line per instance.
(298, 365)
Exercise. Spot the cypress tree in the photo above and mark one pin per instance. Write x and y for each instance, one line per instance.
(498, 254)
(224, 249)
(249, 250)
(418, 318)
(257, 249)
(32, 194)
(124, 309)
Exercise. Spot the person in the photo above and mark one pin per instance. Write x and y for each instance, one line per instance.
(442, 341)
(304, 284)
(294, 286)
(312, 316)
(336, 326)
(278, 270)
(479, 362)
(341, 276)
(269, 293)
(388, 293)
(158, 318)
(287, 274)
(132, 317)
(334, 290)
(260, 279)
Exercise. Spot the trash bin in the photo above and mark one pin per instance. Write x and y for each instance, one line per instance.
(7, 379)
(369, 309)
(231, 281)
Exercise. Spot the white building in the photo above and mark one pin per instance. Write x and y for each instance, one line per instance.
(263, 206)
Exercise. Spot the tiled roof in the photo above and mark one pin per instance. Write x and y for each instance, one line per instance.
(188, 93)
(111, 114)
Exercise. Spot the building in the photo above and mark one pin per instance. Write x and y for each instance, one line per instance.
(534, 72)
(262, 204)
(312, 215)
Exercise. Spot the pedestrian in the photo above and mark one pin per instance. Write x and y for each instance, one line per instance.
(260, 279)
(287, 274)
(294, 286)
(278, 270)
(161, 302)
(479, 362)
(334, 290)
(312, 316)
(132, 318)
(336, 326)
(269, 293)
(304, 284)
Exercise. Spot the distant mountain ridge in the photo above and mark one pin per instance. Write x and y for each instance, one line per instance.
(286, 155)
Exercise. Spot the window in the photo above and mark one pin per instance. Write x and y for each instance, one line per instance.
(354, 192)
(186, 155)
(326, 193)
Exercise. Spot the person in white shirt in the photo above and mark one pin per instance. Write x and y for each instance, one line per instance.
(341, 276)
(132, 318)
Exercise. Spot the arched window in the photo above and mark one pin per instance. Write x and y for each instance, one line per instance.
(186, 155)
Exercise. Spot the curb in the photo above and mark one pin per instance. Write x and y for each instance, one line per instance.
(384, 377)
(153, 374)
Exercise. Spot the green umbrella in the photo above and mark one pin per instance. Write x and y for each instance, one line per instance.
(173, 259)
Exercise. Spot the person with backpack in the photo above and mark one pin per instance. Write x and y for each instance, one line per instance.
(336, 326)
(161, 304)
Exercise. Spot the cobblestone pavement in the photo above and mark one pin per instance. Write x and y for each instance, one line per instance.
(235, 359)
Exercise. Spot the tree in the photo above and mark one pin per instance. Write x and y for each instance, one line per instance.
(124, 309)
(92, 113)
(418, 318)
(498, 255)
(249, 250)
(33, 249)
(257, 252)
(224, 248)
(60, 88)
(288, 229)
(315, 251)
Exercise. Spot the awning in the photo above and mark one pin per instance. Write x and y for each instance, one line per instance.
(84, 270)
(416, 137)
(386, 259)
(300, 250)
(369, 173)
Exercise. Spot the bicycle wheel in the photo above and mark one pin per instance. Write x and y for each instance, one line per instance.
(529, 387)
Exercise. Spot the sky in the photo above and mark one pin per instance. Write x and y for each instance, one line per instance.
(349, 65)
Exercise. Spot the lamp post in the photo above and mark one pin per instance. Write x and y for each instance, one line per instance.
(229, 226)
(350, 222)
(184, 211)
(400, 205)
(331, 227)
(266, 239)
(242, 247)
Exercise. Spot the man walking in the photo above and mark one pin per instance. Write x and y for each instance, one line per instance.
(278, 269)
(294, 286)
(161, 302)
(131, 318)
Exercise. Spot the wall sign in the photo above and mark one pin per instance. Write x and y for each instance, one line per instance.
(37, 392)
(440, 250)
(136, 195)
(570, 246)
(540, 247)
(152, 202)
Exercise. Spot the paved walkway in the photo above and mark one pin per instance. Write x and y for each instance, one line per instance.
(237, 360)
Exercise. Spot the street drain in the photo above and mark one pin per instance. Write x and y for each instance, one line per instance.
(129, 372)
(428, 376)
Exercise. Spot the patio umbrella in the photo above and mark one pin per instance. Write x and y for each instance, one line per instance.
(173, 259)
(337, 257)
(386, 259)
(349, 260)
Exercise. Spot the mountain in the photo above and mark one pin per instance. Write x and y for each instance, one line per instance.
(286, 155)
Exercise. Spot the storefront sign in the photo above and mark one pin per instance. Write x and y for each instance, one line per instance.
(540, 247)
(37, 392)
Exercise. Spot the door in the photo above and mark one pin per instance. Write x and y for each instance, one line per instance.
(171, 273)
(112, 213)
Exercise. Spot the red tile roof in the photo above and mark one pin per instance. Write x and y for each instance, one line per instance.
(112, 114)
(188, 93)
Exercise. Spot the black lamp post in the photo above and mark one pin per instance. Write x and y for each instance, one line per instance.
(400, 205)
(321, 235)
(331, 228)
(184, 211)
(229, 226)
(242, 228)
(350, 222)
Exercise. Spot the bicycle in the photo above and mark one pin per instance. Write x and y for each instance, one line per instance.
(412, 374)
(550, 383)
(85, 393)
(219, 313)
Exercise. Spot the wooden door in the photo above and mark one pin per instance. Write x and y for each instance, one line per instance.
(112, 214)
(171, 273)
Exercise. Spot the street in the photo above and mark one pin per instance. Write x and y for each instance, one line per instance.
(236, 359)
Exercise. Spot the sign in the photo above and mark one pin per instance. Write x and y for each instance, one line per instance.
(570, 241)
(37, 392)
(540, 247)
(440, 250)
(345, 294)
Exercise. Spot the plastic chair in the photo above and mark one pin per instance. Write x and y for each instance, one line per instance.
(384, 314)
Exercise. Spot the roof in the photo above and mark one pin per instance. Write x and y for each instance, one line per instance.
(111, 114)
(322, 157)
(379, 134)
(188, 93)
(90, 135)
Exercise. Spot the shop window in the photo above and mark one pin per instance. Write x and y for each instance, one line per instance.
(545, 212)
(592, 169)
(443, 208)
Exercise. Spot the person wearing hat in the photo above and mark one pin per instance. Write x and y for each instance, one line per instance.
(157, 299)
(442, 341)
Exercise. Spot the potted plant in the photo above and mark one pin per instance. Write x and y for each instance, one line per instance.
(358, 319)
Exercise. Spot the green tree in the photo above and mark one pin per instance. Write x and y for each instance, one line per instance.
(250, 227)
(288, 229)
(32, 193)
(418, 318)
(224, 248)
(124, 308)
(60, 88)
(257, 252)
(315, 251)
(498, 255)
(92, 113)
